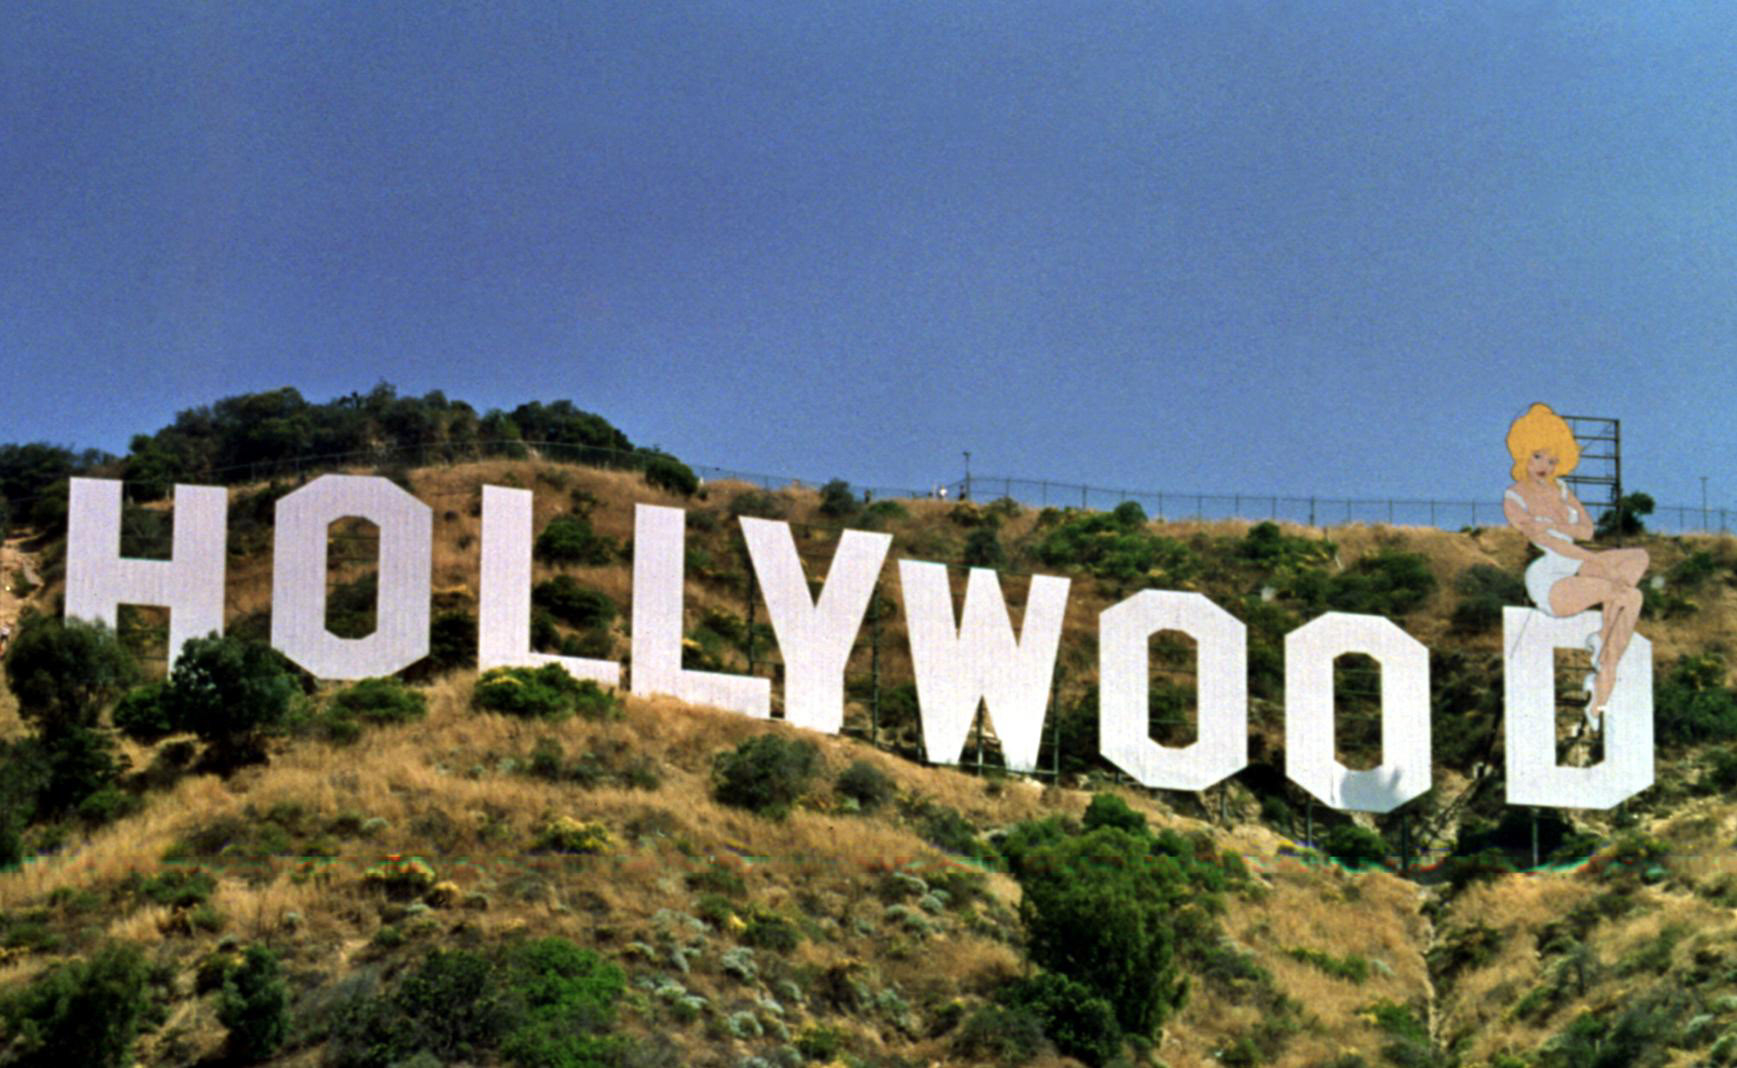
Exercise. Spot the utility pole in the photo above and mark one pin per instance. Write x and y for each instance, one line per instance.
(1703, 502)
(967, 494)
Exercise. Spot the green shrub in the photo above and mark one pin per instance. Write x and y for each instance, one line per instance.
(1691, 703)
(1484, 590)
(567, 835)
(174, 888)
(1117, 547)
(1108, 810)
(1000, 1033)
(1103, 910)
(1274, 551)
(882, 511)
(64, 671)
(758, 504)
(1389, 583)
(142, 715)
(80, 763)
(766, 773)
(668, 473)
(1355, 846)
(451, 642)
(540, 1004)
(983, 549)
(945, 828)
(453, 1004)
(84, 1013)
(837, 501)
(563, 1001)
(569, 539)
(865, 784)
(1625, 519)
(379, 701)
(229, 691)
(1079, 1022)
(546, 692)
(768, 930)
(819, 1043)
(573, 604)
(351, 607)
(254, 1006)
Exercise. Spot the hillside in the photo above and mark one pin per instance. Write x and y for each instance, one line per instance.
(817, 937)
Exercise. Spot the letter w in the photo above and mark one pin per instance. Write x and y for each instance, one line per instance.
(982, 660)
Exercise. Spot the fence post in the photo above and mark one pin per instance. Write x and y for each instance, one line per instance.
(1055, 717)
(751, 600)
(875, 668)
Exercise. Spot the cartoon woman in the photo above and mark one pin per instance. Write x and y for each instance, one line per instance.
(1569, 579)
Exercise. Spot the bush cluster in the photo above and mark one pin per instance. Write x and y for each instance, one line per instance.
(665, 472)
(569, 539)
(1484, 590)
(86, 1012)
(767, 773)
(573, 604)
(546, 692)
(1692, 704)
(1110, 911)
(1116, 546)
(370, 702)
(533, 1004)
(254, 1006)
(865, 784)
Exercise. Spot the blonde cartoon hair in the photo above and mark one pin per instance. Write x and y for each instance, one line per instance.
(1542, 429)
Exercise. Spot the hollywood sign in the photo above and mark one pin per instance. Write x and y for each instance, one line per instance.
(960, 662)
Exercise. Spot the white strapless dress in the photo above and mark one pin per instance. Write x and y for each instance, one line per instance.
(1551, 568)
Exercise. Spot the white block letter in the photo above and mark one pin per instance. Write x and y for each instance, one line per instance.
(1220, 748)
(1404, 772)
(981, 660)
(298, 577)
(1529, 692)
(658, 564)
(504, 631)
(814, 637)
(189, 584)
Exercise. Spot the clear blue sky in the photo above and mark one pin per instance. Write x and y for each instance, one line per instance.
(1294, 248)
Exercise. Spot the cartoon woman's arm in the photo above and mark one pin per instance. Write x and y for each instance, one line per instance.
(1581, 529)
(1520, 519)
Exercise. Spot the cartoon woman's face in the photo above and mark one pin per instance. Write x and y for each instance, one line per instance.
(1542, 465)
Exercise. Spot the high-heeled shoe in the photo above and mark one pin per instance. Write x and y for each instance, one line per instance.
(1594, 716)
